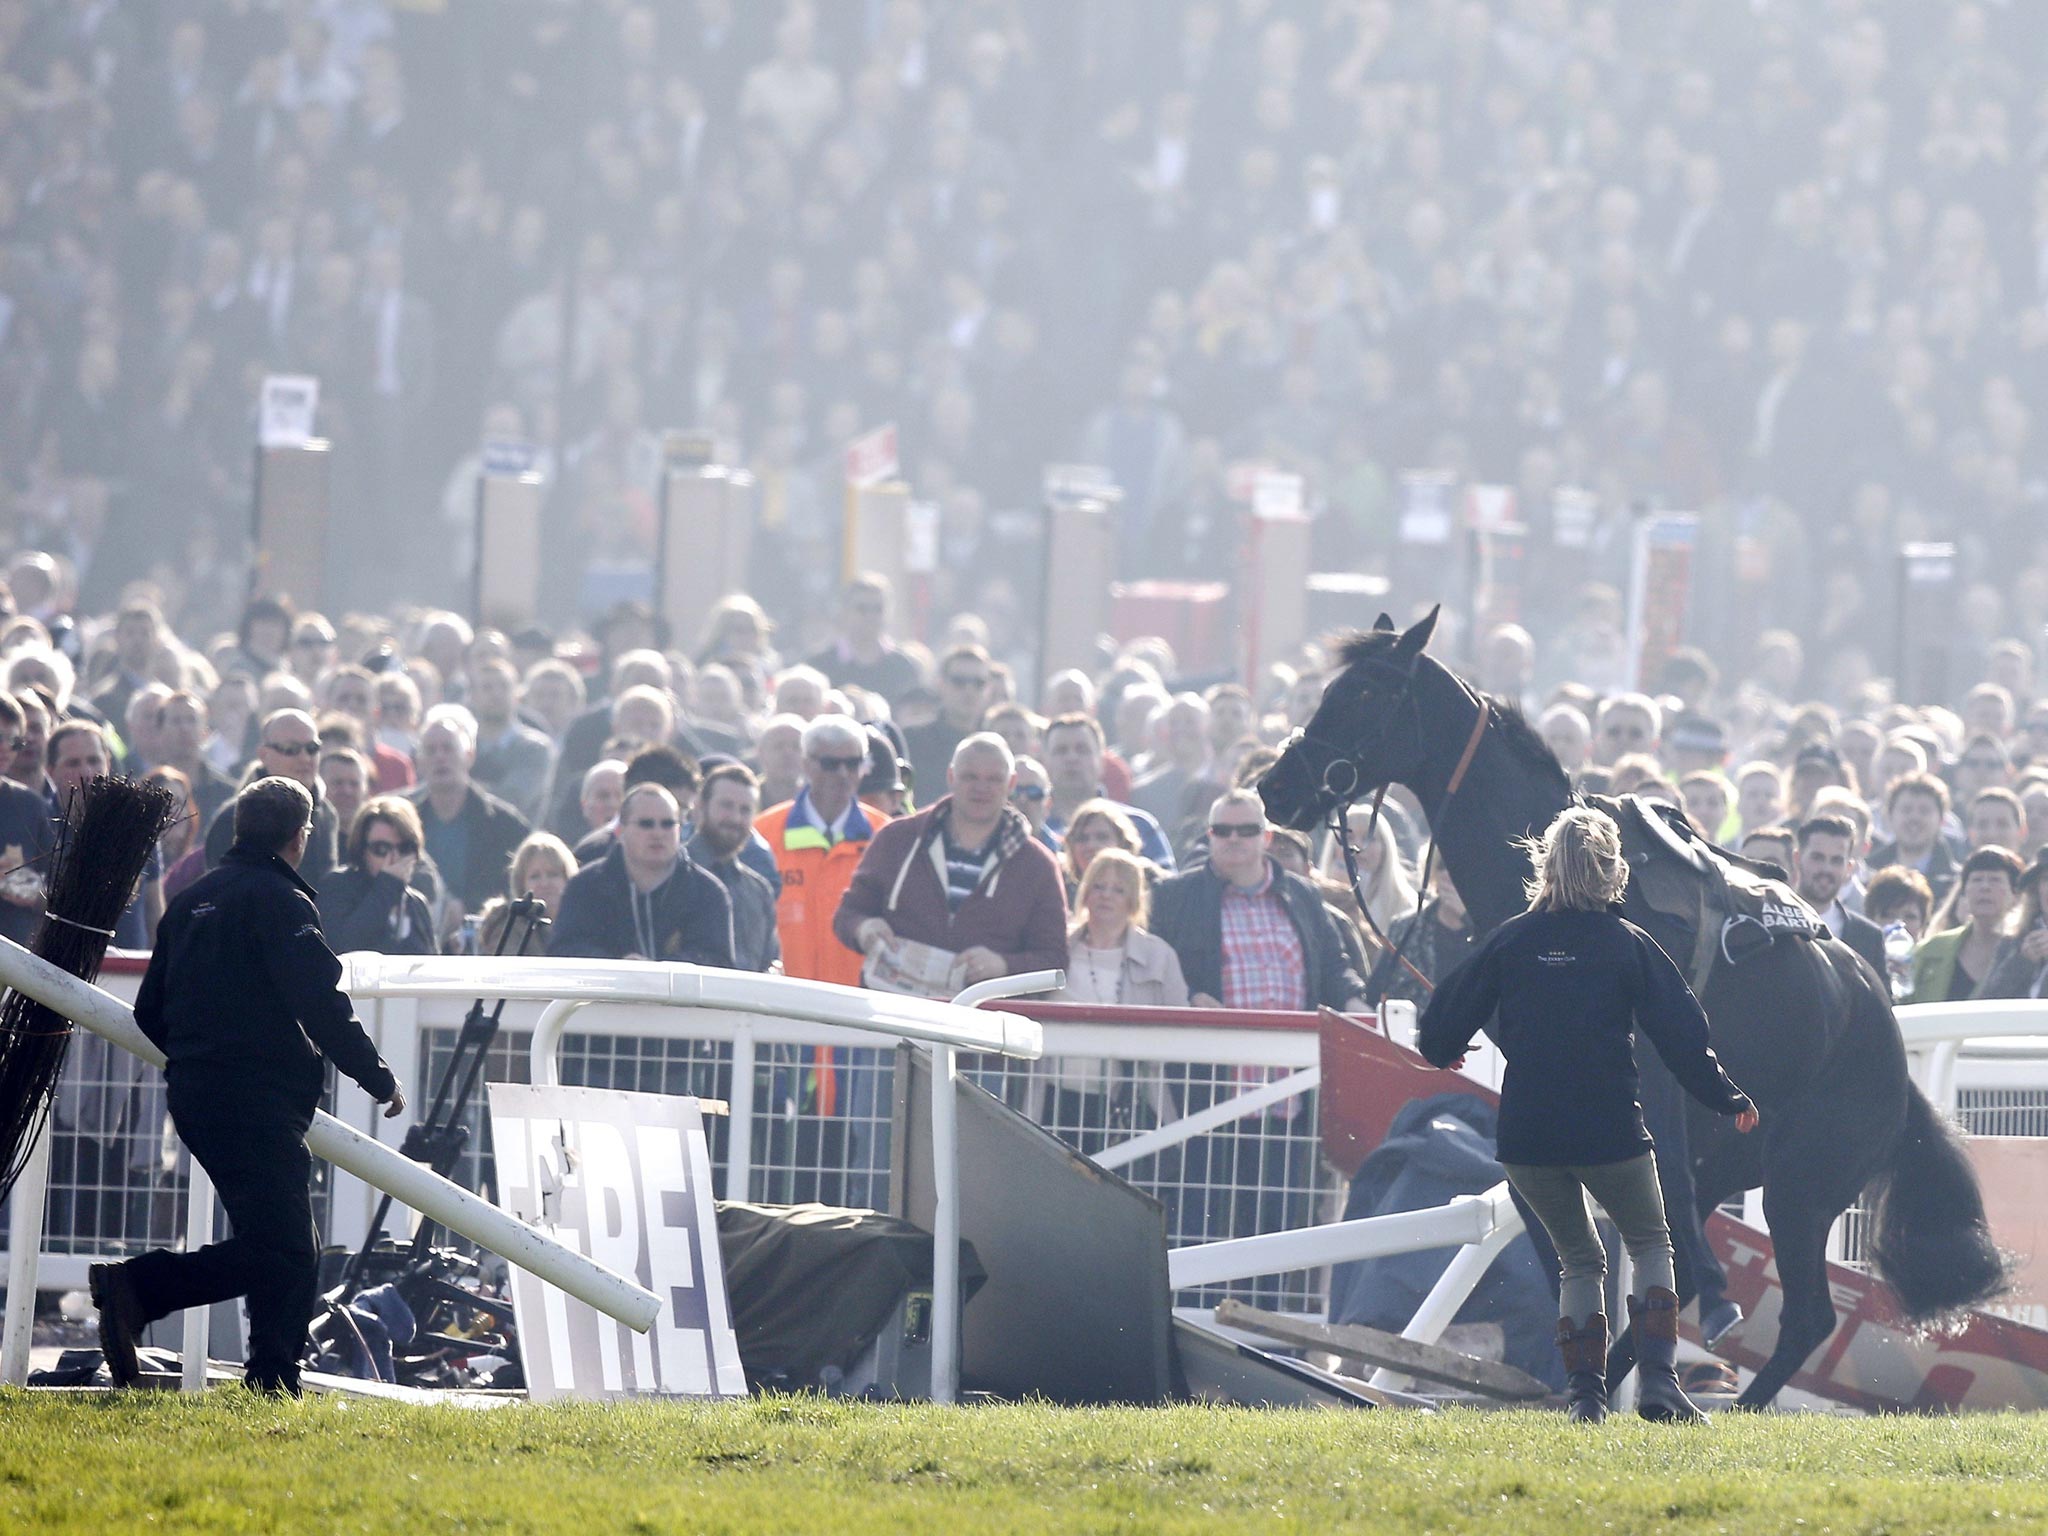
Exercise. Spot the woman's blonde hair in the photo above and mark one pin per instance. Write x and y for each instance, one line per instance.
(1578, 861)
(1104, 810)
(1133, 868)
(538, 845)
(1390, 890)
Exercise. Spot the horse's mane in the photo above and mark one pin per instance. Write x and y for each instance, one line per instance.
(1515, 732)
(1364, 645)
(1510, 725)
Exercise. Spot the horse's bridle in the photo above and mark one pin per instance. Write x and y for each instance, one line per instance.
(1343, 797)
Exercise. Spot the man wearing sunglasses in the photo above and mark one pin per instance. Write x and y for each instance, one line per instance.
(1248, 933)
(1031, 794)
(965, 675)
(818, 839)
(647, 899)
(863, 655)
(288, 748)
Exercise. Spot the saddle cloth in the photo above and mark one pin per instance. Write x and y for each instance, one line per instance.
(1705, 905)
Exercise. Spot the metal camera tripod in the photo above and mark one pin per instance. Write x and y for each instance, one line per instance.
(438, 1139)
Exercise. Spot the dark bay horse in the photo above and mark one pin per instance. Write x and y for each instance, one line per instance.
(1806, 1028)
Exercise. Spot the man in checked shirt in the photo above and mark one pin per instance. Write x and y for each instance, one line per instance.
(1250, 935)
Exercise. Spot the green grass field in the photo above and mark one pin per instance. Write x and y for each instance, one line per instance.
(236, 1463)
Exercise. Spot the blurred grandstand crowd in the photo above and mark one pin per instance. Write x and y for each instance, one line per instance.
(1784, 264)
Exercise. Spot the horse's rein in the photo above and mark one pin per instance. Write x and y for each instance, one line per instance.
(1338, 827)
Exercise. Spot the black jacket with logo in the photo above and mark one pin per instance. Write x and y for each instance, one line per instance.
(243, 991)
(1571, 989)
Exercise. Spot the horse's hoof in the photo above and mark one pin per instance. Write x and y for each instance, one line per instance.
(1717, 1324)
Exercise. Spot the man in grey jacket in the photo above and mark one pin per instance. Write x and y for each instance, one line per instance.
(725, 825)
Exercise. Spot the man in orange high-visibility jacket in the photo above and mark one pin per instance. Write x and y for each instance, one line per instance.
(817, 840)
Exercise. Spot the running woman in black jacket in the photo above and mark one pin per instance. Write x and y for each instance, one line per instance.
(1572, 981)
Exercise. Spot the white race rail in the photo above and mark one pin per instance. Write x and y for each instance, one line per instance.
(568, 986)
(369, 1160)
(1935, 1034)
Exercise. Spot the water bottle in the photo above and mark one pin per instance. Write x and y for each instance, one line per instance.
(1898, 958)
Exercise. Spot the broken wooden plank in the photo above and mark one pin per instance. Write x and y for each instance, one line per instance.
(1377, 1348)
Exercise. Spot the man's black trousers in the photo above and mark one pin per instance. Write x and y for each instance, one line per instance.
(252, 1144)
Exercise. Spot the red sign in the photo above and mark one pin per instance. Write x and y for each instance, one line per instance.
(1659, 590)
(871, 457)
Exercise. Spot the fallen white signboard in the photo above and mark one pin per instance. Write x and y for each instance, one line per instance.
(626, 1179)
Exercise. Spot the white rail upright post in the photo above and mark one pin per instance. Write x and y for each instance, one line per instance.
(739, 1125)
(1460, 1278)
(945, 1226)
(946, 1316)
(24, 1247)
(198, 1340)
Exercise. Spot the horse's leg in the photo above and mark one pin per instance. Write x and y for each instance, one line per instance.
(1799, 1240)
(1728, 1165)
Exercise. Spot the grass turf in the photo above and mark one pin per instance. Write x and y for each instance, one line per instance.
(234, 1463)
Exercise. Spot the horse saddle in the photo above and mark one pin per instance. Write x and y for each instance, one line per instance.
(1698, 900)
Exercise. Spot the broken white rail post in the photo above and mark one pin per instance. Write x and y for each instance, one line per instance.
(1467, 1219)
(368, 1159)
(1460, 1278)
(1174, 1132)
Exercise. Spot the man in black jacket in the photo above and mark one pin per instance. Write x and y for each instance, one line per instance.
(725, 825)
(243, 997)
(471, 834)
(1249, 934)
(648, 899)
(288, 747)
(1824, 864)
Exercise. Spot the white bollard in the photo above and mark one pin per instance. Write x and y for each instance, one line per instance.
(24, 1242)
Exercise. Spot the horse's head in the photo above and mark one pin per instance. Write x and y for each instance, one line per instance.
(1365, 733)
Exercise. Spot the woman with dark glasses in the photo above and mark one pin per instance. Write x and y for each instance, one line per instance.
(368, 903)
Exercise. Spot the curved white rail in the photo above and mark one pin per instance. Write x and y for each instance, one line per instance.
(692, 986)
(344, 1146)
(1930, 1024)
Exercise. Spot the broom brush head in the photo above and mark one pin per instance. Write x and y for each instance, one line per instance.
(111, 826)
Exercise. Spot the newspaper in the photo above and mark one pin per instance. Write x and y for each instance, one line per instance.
(913, 969)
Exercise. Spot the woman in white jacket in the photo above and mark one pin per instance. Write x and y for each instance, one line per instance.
(1114, 960)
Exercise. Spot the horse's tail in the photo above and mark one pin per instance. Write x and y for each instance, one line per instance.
(1933, 1246)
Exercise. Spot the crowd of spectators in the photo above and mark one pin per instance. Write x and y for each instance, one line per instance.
(1785, 265)
(455, 772)
(1782, 263)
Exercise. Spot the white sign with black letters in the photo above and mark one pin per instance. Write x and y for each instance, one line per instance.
(626, 1179)
(290, 401)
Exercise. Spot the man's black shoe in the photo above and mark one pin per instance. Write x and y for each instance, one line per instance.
(120, 1309)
